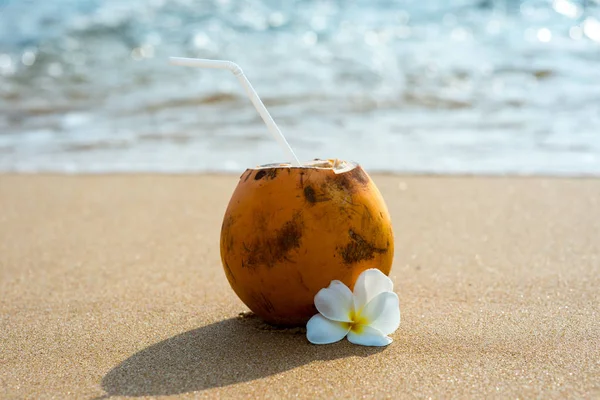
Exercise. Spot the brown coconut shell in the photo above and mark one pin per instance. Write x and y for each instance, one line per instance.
(288, 232)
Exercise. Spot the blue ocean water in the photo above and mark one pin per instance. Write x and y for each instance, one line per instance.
(461, 86)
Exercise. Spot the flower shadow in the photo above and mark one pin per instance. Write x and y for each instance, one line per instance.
(224, 353)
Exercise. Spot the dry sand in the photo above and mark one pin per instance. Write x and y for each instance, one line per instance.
(112, 286)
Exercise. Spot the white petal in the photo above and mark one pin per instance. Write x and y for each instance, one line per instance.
(335, 302)
(368, 336)
(320, 330)
(382, 313)
(368, 285)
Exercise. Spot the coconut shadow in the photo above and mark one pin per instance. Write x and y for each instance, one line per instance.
(224, 353)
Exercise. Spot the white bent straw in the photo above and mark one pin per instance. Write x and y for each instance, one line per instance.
(258, 104)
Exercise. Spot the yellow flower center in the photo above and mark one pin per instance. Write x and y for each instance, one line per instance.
(357, 323)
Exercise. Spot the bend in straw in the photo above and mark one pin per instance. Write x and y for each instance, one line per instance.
(256, 101)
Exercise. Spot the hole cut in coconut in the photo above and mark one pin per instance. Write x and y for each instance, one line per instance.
(338, 166)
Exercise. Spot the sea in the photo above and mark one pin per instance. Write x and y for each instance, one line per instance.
(426, 87)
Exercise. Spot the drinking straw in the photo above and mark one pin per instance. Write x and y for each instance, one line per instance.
(258, 104)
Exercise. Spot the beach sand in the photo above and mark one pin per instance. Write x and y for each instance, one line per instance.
(112, 286)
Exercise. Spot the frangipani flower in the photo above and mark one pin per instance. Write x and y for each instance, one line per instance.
(366, 316)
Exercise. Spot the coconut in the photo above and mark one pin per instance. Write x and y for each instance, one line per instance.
(289, 231)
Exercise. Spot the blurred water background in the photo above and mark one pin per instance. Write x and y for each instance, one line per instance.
(458, 86)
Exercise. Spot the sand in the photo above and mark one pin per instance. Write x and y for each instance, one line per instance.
(112, 286)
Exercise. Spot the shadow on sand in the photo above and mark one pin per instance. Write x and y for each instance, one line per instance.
(224, 353)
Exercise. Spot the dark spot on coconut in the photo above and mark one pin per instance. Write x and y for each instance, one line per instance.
(288, 238)
(309, 193)
(270, 173)
(359, 249)
(349, 181)
(260, 174)
(359, 175)
(271, 250)
(313, 197)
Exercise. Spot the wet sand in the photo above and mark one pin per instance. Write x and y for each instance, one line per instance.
(112, 286)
